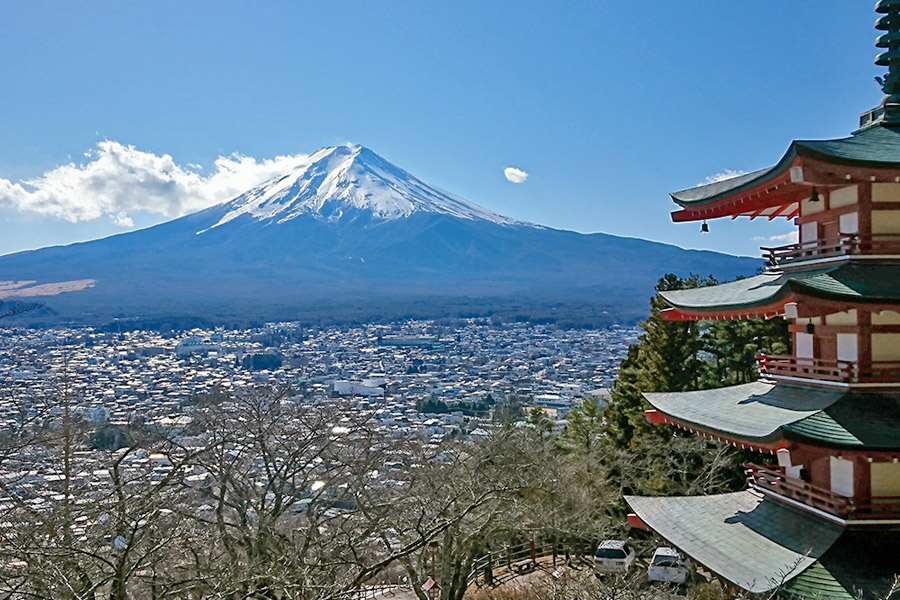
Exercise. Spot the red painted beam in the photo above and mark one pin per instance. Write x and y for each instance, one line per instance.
(654, 417)
(636, 523)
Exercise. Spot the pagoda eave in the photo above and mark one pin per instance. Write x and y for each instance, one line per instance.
(793, 294)
(655, 417)
(765, 311)
(779, 191)
(742, 537)
(767, 417)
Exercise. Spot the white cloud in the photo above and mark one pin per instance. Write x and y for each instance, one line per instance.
(123, 220)
(515, 175)
(118, 180)
(722, 176)
(791, 237)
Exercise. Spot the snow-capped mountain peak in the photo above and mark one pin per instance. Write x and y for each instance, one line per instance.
(344, 182)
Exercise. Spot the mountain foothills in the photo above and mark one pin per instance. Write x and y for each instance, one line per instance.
(347, 236)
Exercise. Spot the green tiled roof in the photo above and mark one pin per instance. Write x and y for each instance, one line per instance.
(876, 146)
(755, 543)
(863, 420)
(765, 412)
(849, 282)
(755, 411)
(710, 191)
(816, 582)
(758, 290)
(871, 147)
(861, 564)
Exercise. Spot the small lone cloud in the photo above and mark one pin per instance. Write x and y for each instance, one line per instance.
(722, 176)
(515, 175)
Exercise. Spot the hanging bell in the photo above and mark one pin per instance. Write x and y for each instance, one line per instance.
(814, 197)
(704, 228)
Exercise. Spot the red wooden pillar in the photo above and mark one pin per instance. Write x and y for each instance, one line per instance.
(864, 340)
(864, 317)
(864, 216)
(862, 480)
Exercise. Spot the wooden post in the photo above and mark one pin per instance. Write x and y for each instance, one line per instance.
(864, 340)
(864, 215)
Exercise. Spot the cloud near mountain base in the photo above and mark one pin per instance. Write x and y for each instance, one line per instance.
(118, 180)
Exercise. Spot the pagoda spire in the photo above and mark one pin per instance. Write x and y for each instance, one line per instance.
(889, 22)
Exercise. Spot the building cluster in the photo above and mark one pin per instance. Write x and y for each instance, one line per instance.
(416, 377)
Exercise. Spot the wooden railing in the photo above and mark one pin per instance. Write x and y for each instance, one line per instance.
(842, 371)
(773, 479)
(844, 245)
(884, 507)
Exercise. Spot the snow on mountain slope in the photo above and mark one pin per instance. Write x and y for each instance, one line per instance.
(341, 182)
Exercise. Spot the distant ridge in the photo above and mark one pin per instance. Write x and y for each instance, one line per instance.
(344, 235)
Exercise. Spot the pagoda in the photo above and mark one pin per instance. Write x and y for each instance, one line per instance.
(823, 519)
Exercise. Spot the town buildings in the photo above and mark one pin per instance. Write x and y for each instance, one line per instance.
(823, 519)
(385, 373)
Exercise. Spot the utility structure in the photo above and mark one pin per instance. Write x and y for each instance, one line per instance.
(823, 521)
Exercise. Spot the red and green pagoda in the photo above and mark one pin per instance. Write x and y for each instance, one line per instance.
(824, 522)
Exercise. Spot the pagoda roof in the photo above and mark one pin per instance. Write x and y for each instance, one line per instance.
(760, 544)
(870, 154)
(753, 411)
(840, 574)
(873, 147)
(754, 542)
(870, 421)
(764, 413)
(848, 283)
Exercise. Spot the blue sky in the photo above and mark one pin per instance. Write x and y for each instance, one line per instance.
(607, 105)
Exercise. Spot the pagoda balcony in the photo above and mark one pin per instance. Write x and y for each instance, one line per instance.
(829, 371)
(782, 257)
(772, 481)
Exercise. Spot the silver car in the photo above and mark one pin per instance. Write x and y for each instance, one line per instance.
(613, 557)
(669, 566)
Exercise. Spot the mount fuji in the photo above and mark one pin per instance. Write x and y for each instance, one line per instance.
(344, 235)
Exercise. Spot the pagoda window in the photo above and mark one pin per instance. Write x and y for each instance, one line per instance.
(844, 196)
(784, 461)
(885, 481)
(809, 232)
(849, 223)
(886, 192)
(847, 347)
(886, 347)
(803, 345)
(886, 222)
(842, 481)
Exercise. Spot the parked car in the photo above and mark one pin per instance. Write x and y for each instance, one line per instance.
(613, 557)
(669, 566)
